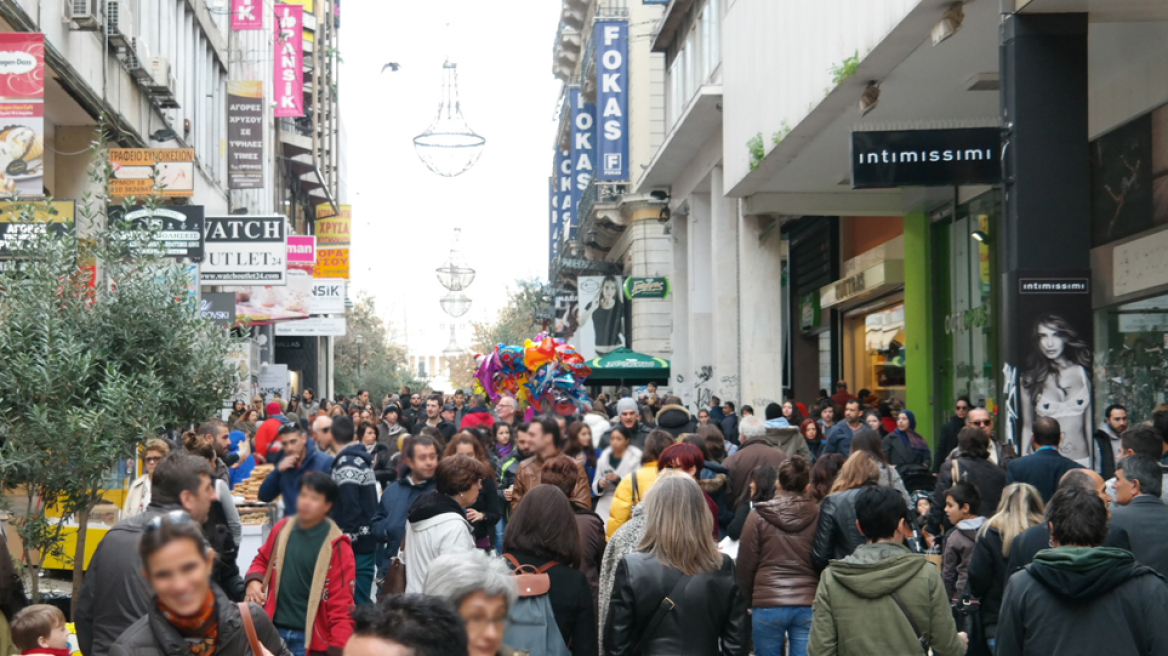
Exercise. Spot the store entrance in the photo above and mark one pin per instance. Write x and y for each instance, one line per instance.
(873, 348)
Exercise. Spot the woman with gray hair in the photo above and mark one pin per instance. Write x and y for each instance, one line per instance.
(482, 590)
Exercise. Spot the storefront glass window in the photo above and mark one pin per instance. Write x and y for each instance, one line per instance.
(874, 350)
(963, 303)
(1131, 357)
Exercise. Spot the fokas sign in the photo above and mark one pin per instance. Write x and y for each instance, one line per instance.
(926, 158)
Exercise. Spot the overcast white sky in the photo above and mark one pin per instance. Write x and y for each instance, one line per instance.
(404, 215)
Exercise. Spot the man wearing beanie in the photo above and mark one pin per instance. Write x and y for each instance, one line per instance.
(782, 435)
(629, 418)
(266, 433)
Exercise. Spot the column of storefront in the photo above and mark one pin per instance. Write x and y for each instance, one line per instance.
(725, 265)
(761, 263)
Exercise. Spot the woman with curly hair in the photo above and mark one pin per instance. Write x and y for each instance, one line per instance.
(1057, 384)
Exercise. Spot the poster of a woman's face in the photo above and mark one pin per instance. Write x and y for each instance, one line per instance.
(1055, 383)
(602, 316)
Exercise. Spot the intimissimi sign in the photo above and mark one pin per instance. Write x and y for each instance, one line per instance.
(926, 158)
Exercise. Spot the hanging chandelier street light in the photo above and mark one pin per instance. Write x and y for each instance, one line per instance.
(449, 147)
(455, 304)
(454, 275)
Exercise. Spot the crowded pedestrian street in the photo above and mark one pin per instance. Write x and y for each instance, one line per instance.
(723, 328)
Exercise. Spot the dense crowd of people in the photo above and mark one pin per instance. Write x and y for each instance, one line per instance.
(450, 525)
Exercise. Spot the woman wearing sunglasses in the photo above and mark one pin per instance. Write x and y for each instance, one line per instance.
(187, 615)
(138, 496)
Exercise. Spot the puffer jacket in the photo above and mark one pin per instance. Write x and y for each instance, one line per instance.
(624, 500)
(836, 536)
(676, 419)
(774, 554)
(437, 527)
(786, 438)
(709, 610)
(153, 635)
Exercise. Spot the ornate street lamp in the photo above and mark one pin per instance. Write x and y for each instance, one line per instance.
(449, 147)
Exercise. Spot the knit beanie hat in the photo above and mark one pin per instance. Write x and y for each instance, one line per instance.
(773, 411)
(625, 404)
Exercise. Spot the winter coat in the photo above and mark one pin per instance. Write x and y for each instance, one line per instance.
(266, 434)
(383, 465)
(395, 505)
(287, 483)
(529, 475)
(774, 554)
(221, 537)
(958, 552)
(330, 599)
(855, 615)
(714, 480)
(623, 501)
(947, 441)
(571, 602)
(730, 427)
(637, 434)
(591, 529)
(477, 417)
(388, 435)
(625, 541)
(1079, 600)
(676, 420)
(137, 497)
(754, 452)
(356, 509)
(836, 535)
(437, 527)
(1145, 520)
(985, 475)
(1036, 538)
(491, 505)
(153, 634)
(1043, 469)
(628, 464)
(987, 576)
(901, 453)
(114, 594)
(709, 610)
(445, 427)
(786, 438)
(839, 439)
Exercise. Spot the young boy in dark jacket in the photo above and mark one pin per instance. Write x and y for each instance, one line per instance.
(961, 503)
(357, 510)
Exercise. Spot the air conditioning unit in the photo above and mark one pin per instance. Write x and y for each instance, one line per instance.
(119, 22)
(135, 58)
(161, 85)
(83, 14)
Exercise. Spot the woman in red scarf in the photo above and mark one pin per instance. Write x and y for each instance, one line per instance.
(186, 612)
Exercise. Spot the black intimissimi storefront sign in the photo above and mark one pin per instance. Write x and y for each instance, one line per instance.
(926, 158)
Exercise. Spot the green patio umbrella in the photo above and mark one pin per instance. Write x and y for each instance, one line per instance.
(625, 366)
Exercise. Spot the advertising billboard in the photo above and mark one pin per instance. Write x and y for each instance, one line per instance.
(333, 230)
(612, 99)
(602, 316)
(144, 172)
(245, 249)
(177, 231)
(22, 112)
(247, 15)
(245, 134)
(21, 222)
(583, 151)
(289, 58)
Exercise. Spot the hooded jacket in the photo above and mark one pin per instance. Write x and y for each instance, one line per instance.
(330, 599)
(266, 434)
(774, 554)
(437, 527)
(786, 438)
(356, 509)
(154, 635)
(676, 420)
(1082, 600)
(395, 506)
(958, 552)
(287, 483)
(855, 615)
(478, 416)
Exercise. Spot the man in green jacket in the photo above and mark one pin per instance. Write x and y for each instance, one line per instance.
(856, 611)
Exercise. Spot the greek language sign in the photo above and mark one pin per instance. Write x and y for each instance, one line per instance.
(245, 250)
(247, 15)
(332, 263)
(926, 158)
(245, 134)
(333, 230)
(583, 151)
(22, 222)
(177, 231)
(143, 172)
(289, 57)
(646, 288)
(612, 99)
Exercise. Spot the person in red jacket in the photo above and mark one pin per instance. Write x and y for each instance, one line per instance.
(312, 609)
(265, 441)
(478, 415)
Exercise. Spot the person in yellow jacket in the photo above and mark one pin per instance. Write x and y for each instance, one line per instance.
(626, 496)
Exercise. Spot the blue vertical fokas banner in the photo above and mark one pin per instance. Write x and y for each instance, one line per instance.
(564, 194)
(553, 216)
(612, 100)
(583, 151)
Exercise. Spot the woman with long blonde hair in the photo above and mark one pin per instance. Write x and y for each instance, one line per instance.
(836, 535)
(1019, 508)
(679, 560)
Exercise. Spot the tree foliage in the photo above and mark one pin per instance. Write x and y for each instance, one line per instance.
(103, 347)
(382, 366)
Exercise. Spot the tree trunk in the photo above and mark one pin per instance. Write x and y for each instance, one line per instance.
(79, 558)
(33, 570)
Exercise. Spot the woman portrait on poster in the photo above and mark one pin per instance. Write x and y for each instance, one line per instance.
(607, 312)
(1057, 384)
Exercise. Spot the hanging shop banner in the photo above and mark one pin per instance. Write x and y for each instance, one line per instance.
(553, 216)
(328, 296)
(244, 249)
(564, 194)
(177, 231)
(333, 230)
(245, 134)
(332, 263)
(926, 158)
(646, 288)
(144, 172)
(273, 380)
(612, 99)
(267, 304)
(289, 57)
(314, 327)
(583, 150)
(565, 316)
(302, 253)
(602, 316)
(247, 15)
(1049, 329)
(219, 307)
(24, 221)
(22, 114)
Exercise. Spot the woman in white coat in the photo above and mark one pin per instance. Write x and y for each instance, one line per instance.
(619, 459)
(437, 521)
(138, 496)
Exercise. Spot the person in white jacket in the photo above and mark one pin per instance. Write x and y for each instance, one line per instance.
(619, 459)
(438, 523)
(138, 496)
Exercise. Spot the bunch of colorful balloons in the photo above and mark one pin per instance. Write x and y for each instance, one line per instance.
(545, 375)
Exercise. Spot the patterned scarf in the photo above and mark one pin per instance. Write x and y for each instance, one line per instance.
(201, 630)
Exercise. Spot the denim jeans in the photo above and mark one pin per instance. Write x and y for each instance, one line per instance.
(293, 639)
(366, 568)
(499, 528)
(773, 625)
